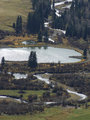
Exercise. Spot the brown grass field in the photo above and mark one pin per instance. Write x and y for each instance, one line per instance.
(10, 9)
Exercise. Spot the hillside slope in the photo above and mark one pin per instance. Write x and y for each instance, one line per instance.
(10, 9)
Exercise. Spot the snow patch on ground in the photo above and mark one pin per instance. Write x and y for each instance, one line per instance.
(46, 24)
(51, 40)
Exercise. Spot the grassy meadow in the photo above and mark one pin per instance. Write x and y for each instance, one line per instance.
(25, 94)
(10, 9)
(54, 113)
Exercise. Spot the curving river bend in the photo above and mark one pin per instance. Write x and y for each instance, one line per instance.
(46, 80)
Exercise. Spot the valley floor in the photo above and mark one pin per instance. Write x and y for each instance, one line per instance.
(55, 113)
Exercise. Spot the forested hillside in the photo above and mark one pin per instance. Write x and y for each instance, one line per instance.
(76, 21)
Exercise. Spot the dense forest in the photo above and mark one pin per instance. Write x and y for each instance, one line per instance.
(35, 19)
(76, 21)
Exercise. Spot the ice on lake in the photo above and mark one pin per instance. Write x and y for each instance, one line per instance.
(44, 54)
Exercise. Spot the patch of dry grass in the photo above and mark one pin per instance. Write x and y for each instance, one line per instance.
(10, 9)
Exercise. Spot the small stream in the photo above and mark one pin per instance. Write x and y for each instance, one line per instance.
(14, 99)
(82, 96)
(39, 77)
(46, 80)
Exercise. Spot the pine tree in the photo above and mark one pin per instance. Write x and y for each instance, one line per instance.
(85, 53)
(19, 25)
(2, 61)
(32, 62)
(40, 36)
(46, 36)
(29, 21)
(53, 4)
(14, 25)
(34, 3)
(85, 33)
(33, 23)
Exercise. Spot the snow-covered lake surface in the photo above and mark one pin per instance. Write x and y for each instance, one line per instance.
(44, 55)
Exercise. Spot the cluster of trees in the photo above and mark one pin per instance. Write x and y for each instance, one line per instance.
(4, 33)
(60, 91)
(12, 108)
(43, 36)
(76, 20)
(79, 24)
(70, 79)
(32, 98)
(35, 21)
(8, 82)
(42, 7)
(18, 25)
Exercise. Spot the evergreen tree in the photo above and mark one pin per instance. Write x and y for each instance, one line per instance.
(40, 36)
(54, 19)
(46, 36)
(34, 3)
(14, 25)
(19, 25)
(32, 62)
(29, 21)
(2, 61)
(33, 23)
(53, 4)
(85, 33)
(85, 53)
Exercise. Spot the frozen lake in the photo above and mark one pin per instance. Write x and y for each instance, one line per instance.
(44, 55)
